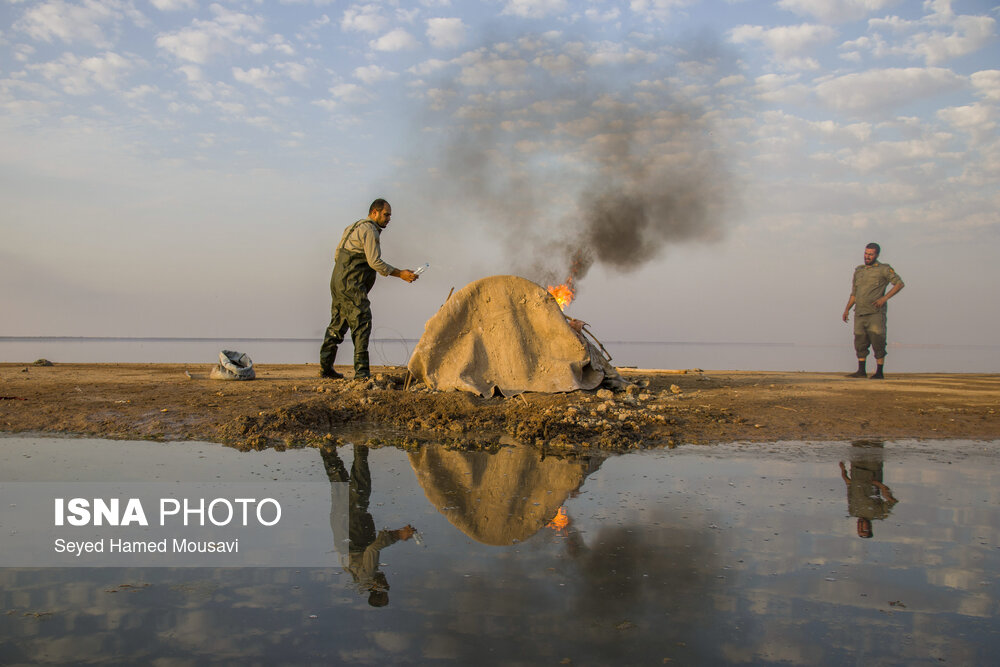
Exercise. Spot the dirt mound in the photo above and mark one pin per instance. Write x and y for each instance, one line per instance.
(289, 406)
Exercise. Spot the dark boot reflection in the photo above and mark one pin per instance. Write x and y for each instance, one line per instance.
(351, 522)
(868, 498)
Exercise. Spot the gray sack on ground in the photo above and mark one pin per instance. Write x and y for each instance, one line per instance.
(233, 366)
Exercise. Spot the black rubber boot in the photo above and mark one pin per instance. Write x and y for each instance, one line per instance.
(877, 375)
(361, 369)
(327, 354)
(860, 373)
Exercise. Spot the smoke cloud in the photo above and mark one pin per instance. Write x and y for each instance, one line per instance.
(573, 164)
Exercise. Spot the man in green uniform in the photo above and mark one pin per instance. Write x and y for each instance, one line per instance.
(357, 260)
(868, 296)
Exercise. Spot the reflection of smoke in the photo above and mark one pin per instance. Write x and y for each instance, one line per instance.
(576, 171)
(678, 561)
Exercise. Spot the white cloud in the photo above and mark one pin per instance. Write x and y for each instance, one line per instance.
(657, 9)
(884, 89)
(203, 40)
(140, 92)
(556, 63)
(889, 154)
(262, 78)
(407, 15)
(608, 16)
(22, 52)
(297, 72)
(192, 73)
(787, 43)
(534, 9)
(363, 18)
(482, 69)
(230, 108)
(14, 91)
(852, 50)
(732, 80)
(968, 35)
(373, 74)
(836, 11)
(344, 93)
(445, 33)
(278, 44)
(937, 37)
(174, 5)
(987, 83)
(349, 91)
(612, 53)
(83, 76)
(69, 22)
(428, 67)
(977, 119)
(394, 40)
(328, 104)
(780, 89)
(853, 132)
(322, 21)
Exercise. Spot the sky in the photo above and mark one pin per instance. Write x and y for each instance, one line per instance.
(708, 171)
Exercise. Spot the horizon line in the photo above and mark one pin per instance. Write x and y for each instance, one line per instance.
(282, 339)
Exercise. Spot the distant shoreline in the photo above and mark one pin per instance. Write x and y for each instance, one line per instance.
(266, 339)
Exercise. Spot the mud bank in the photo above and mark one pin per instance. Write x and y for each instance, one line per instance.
(290, 406)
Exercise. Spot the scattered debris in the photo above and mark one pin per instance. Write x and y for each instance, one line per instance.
(128, 588)
(42, 362)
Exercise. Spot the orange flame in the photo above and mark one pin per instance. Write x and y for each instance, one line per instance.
(560, 521)
(563, 294)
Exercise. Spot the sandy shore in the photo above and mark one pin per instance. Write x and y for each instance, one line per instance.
(288, 405)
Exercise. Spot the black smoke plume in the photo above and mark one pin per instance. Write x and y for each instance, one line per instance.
(577, 169)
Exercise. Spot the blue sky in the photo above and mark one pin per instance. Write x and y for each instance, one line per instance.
(182, 168)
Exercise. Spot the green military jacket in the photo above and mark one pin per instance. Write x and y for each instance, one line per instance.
(869, 285)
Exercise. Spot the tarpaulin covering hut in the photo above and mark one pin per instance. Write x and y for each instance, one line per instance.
(506, 334)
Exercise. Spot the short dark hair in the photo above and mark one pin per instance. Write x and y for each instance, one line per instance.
(874, 246)
(377, 205)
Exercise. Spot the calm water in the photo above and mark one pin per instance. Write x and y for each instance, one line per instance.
(699, 555)
(396, 352)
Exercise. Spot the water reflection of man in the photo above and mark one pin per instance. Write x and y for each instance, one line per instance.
(868, 497)
(349, 513)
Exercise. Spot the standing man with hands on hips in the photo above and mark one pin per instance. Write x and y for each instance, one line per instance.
(356, 261)
(868, 296)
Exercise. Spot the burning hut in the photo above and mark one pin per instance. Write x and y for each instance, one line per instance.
(507, 335)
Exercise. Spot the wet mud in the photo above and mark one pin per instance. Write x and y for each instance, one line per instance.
(290, 406)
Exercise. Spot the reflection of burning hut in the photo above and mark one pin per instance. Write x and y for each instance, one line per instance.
(500, 498)
(506, 334)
